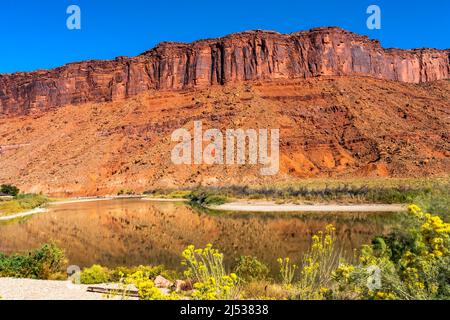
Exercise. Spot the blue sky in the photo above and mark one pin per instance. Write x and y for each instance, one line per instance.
(34, 33)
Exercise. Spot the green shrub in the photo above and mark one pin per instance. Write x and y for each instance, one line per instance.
(436, 201)
(179, 194)
(95, 275)
(250, 269)
(146, 287)
(126, 192)
(215, 200)
(31, 201)
(9, 190)
(206, 198)
(414, 266)
(150, 271)
(42, 263)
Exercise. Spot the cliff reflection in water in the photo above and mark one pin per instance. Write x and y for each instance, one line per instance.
(132, 232)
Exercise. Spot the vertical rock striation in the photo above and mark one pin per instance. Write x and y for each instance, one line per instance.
(252, 55)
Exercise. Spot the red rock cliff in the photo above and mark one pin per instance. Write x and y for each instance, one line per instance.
(253, 55)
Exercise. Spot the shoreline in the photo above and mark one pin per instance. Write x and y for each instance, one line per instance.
(144, 198)
(165, 199)
(92, 199)
(23, 214)
(271, 206)
(62, 202)
(236, 206)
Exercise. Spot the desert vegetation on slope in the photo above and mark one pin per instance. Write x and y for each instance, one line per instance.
(338, 127)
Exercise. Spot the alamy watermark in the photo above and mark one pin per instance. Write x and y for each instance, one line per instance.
(374, 278)
(73, 22)
(374, 20)
(74, 276)
(229, 148)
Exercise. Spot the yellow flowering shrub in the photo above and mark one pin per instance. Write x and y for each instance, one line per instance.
(287, 270)
(211, 290)
(318, 265)
(146, 287)
(344, 271)
(205, 268)
(380, 295)
(203, 264)
(413, 264)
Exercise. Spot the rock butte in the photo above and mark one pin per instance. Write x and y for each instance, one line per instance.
(252, 55)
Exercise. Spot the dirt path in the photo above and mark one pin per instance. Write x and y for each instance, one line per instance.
(23, 214)
(270, 206)
(81, 200)
(28, 289)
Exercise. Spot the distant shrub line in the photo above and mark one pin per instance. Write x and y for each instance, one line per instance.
(434, 199)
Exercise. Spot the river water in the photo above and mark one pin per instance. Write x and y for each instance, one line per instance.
(130, 232)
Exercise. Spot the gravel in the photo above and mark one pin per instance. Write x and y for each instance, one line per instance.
(29, 289)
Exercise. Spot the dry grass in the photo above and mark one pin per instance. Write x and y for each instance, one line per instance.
(265, 290)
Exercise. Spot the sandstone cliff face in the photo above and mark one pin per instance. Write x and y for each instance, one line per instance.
(333, 127)
(253, 55)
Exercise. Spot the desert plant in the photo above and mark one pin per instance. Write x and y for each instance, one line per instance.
(203, 264)
(250, 269)
(95, 275)
(9, 190)
(200, 197)
(318, 264)
(146, 287)
(287, 270)
(150, 271)
(42, 263)
(205, 267)
(211, 290)
(417, 268)
(126, 192)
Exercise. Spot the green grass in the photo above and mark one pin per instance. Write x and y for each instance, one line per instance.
(205, 198)
(21, 203)
(168, 193)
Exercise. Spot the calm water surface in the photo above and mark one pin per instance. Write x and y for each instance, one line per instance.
(133, 231)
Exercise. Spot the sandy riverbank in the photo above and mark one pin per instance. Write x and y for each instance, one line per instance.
(271, 206)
